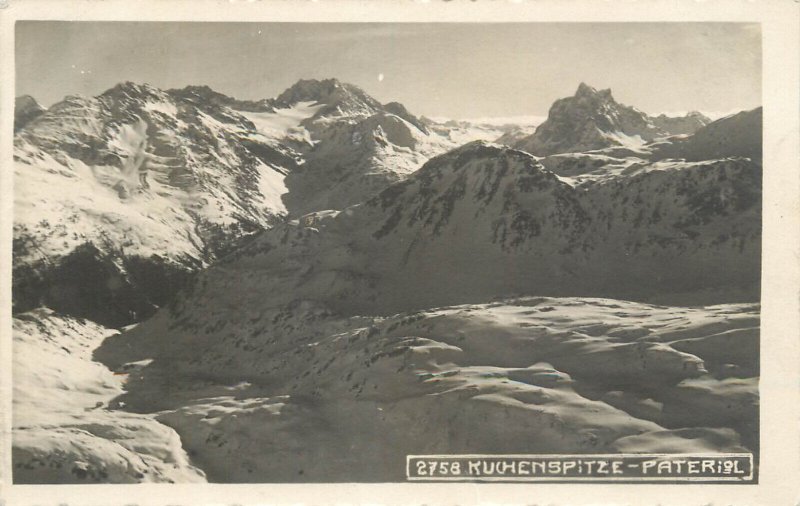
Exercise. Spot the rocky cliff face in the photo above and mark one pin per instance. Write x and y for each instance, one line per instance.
(26, 109)
(592, 120)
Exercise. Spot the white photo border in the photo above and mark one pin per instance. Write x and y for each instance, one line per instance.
(779, 467)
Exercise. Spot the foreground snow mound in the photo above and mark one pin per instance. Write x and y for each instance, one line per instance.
(299, 393)
(592, 119)
(67, 428)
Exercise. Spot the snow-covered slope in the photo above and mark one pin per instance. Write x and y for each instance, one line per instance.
(501, 130)
(354, 146)
(136, 175)
(68, 427)
(586, 168)
(485, 221)
(592, 120)
(352, 160)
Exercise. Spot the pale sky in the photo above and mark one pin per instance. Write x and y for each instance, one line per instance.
(447, 70)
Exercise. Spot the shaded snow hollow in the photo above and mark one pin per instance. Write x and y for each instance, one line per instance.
(68, 426)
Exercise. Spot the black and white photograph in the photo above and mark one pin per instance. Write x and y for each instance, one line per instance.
(385, 252)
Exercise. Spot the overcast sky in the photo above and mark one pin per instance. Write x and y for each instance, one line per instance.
(450, 70)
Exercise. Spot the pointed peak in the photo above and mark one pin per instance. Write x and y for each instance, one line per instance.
(26, 101)
(479, 144)
(131, 88)
(202, 95)
(26, 109)
(400, 110)
(584, 90)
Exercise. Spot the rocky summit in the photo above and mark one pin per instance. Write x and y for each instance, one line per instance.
(592, 119)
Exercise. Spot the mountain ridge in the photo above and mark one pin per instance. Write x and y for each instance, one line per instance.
(138, 175)
(216, 168)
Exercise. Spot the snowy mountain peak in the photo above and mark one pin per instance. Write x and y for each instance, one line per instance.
(202, 91)
(339, 99)
(326, 91)
(204, 94)
(132, 90)
(400, 110)
(480, 179)
(165, 183)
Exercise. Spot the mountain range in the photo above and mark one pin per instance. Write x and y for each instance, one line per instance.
(335, 282)
(137, 187)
